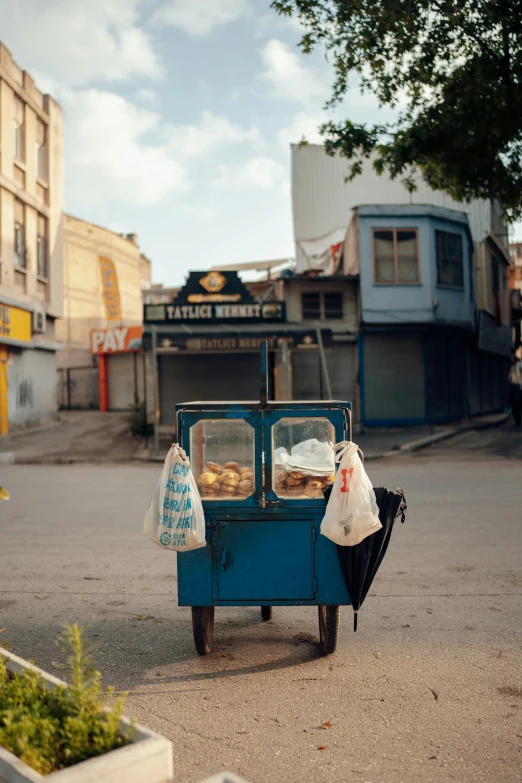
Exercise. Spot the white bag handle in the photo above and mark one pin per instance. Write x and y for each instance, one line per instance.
(342, 447)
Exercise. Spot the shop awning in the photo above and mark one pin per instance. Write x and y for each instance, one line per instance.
(229, 337)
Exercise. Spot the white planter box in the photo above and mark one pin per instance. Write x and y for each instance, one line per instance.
(148, 759)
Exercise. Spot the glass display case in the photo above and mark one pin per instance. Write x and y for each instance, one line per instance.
(303, 463)
(222, 457)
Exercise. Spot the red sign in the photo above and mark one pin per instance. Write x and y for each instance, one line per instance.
(120, 339)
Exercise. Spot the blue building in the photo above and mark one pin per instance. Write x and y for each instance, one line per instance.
(419, 354)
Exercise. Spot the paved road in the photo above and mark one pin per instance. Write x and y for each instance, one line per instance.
(430, 688)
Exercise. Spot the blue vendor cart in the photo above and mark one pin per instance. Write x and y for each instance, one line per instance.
(263, 519)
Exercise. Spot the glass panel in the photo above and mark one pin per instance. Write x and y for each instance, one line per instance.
(383, 243)
(384, 270)
(311, 304)
(222, 458)
(302, 457)
(449, 256)
(406, 243)
(333, 304)
(408, 270)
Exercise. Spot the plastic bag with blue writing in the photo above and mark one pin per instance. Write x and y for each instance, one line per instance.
(175, 518)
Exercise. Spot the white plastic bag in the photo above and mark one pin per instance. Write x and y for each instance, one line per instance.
(310, 457)
(352, 513)
(175, 518)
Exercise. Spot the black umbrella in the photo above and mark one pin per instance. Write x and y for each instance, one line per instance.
(361, 562)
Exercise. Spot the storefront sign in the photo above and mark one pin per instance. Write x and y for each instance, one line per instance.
(15, 324)
(110, 288)
(172, 313)
(210, 343)
(121, 339)
(214, 297)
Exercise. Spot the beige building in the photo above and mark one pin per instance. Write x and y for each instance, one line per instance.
(31, 262)
(104, 276)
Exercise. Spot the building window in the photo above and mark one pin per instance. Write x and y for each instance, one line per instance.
(42, 248)
(41, 151)
(18, 129)
(322, 306)
(450, 269)
(395, 256)
(20, 255)
(495, 274)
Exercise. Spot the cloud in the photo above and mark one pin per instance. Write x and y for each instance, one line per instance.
(289, 78)
(304, 125)
(107, 157)
(116, 151)
(148, 96)
(258, 172)
(212, 132)
(75, 43)
(200, 17)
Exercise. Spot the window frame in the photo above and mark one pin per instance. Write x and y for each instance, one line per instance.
(42, 240)
(17, 225)
(322, 307)
(495, 274)
(19, 131)
(41, 155)
(396, 281)
(438, 233)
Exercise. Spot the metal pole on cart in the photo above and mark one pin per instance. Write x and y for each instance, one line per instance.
(263, 398)
(155, 390)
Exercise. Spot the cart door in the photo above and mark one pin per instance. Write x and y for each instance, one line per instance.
(265, 560)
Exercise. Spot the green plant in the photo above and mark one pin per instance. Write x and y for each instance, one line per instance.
(139, 426)
(450, 71)
(51, 729)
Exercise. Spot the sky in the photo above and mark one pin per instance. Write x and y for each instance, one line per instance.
(178, 119)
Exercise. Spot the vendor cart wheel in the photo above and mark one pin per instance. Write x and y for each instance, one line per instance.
(203, 628)
(266, 613)
(329, 617)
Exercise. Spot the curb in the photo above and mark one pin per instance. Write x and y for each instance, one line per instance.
(430, 440)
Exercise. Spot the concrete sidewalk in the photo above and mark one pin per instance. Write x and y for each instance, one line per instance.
(78, 436)
(380, 443)
(374, 443)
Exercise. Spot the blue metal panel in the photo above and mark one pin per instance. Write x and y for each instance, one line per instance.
(265, 560)
(195, 576)
(331, 588)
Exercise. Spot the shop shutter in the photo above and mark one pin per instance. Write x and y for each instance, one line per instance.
(307, 379)
(393, 383)
(206, 377)
(120, 379)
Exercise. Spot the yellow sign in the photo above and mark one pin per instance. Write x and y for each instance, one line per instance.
(214, 282)
(15, 324)
(4, 408)
(111, 291)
